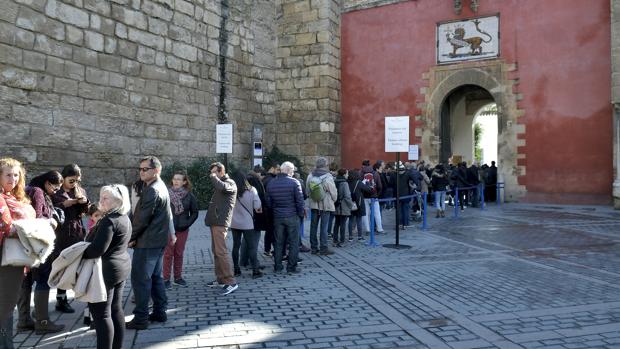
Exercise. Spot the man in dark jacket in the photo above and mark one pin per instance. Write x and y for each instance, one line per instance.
(219, 216)
(151, 227)
(285, 198)
(270, 239)
(473, 177)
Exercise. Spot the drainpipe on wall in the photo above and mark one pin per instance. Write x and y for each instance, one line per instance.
(616, 129)
(222, 112)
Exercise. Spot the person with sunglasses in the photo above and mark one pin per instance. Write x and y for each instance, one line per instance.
(151, 227)
(72, 199)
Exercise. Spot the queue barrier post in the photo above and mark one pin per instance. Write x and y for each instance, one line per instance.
(456, 202)
(424, 224)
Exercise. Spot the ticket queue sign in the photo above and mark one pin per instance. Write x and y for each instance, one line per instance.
(224, 141)
(397, 141)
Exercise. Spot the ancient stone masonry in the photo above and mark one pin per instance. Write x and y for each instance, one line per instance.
(352, 5)
(308, 78)
(101, 83)
(615, 94)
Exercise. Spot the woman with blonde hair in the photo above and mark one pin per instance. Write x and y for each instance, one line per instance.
(108, 240)
(14, 205)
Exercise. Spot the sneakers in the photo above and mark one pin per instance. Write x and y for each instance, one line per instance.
(267, 253)
(214, 283)
(168, 285)
(180, 282)
(350, 238)
(360, 238)
(228, 289)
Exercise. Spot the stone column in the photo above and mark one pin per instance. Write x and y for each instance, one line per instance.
(615, 94)
(308, 78)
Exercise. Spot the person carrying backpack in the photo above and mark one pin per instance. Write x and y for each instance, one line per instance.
(371, 178)
(322, 194)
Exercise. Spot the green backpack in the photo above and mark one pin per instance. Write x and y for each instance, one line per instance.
(317, 192)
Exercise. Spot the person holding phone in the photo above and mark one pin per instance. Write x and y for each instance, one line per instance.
(72, 199)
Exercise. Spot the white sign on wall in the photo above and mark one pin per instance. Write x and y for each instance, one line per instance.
(470, 39)
(224, 139)
(414, 152)
(396, 134)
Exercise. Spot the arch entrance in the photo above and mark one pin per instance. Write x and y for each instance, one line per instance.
(461, 95)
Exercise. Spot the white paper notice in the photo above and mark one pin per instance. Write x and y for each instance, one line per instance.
(396, 134)
(224, 139)
(413, 152)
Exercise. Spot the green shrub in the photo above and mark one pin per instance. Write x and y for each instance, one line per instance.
(198, 172)
(276, 156)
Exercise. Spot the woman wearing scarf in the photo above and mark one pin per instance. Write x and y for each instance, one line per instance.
(184, 212)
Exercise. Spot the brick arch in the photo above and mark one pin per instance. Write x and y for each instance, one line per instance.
(492, 77)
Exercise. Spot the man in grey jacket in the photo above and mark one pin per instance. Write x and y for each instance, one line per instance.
(151, 228)
(219, 216)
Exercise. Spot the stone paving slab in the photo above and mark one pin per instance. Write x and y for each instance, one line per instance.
(519, 276)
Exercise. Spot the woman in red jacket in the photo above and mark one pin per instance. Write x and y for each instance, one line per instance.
(14, 205)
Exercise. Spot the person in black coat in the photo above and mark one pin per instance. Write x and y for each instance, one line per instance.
(358, 190)
(109, 239)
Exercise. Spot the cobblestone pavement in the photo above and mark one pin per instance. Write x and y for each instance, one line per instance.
(519, 276)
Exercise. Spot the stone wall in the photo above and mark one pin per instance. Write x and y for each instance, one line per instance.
(102, 83)
(352, 5)
(615, 94)
(308, 79)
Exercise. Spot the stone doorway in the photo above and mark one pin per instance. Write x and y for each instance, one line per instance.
(460, 112)
(463, 89)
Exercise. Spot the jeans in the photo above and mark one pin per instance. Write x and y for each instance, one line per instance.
(405, 211)
(355, 221)
(173, 255)
(109, 319)
(287, 232)
(314, 222)
(377, 216)
(147, 281)
(340, 227)
(330, 225)
(440, 200)
(251, 238)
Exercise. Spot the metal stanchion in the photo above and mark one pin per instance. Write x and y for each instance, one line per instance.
(424, 226)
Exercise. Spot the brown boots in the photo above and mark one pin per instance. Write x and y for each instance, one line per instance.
(43, 324)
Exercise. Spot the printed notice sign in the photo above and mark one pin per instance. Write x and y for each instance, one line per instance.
(224, 139)
(413, 152)
(396, 134)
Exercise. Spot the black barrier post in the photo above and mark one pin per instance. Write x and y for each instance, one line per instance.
(397, 245)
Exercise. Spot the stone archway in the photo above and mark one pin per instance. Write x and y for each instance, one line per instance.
(491, 76)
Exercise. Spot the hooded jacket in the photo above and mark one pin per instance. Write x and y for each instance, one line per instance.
(331, 193)
(344, 197)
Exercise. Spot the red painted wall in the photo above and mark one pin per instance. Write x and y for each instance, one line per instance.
(562, 49)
